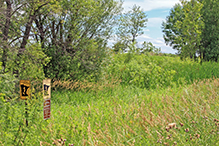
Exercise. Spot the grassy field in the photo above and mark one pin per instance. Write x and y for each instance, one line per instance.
(122, 114)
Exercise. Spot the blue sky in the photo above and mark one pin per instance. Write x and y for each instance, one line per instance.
(156, 10)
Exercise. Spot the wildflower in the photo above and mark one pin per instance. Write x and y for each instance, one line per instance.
(165, 143)
(178, 128)
(197, 135)
(216, 120)
(187, 130)
(167, 129)
(159, 141)
(193, 122)
(169, 136)
(181, 124)
(172, 125)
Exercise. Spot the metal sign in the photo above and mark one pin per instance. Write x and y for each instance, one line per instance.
(47, 89)
(47, 98)
(46, 109)
(24, 89)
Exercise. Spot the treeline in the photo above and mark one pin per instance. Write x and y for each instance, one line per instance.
(192, 29)
(67, 39)
(55, 38)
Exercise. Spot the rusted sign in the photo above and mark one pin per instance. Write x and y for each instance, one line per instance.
(46, 109)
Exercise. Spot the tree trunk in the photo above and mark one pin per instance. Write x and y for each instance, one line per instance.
(5, 34)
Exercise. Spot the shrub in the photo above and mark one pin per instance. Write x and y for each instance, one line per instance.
(139, 70)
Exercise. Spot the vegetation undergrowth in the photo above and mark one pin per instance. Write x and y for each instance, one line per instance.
(151, 71)
(116, 111)
(101, 95)
(122, 116)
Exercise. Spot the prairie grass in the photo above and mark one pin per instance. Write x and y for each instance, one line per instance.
(125, 116)
(112, 113)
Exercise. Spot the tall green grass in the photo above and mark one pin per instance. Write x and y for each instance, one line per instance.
(189, 70)
(180, 111)
(146, 71)
(126, 116)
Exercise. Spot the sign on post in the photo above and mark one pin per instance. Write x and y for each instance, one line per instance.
(47, 98)
(24, 89)
(46, 109)
(47, 89)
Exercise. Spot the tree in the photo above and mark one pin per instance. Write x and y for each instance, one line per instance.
(149, 47)
(73, 34)
(5, 20)
(131, 25)
(210, 37)
(169, 27)
(191, 28)
(17, 27)
(183, 28)
(79, 37)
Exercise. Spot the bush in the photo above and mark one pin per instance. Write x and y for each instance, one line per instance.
(151, 71)
(139, 70)
(7, 84)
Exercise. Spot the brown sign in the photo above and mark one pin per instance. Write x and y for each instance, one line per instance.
(46, 109)
(24, 89)
(47, 89)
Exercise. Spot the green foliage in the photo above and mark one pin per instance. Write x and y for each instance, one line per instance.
(130, 26)
(125, 114)
(150, 72)
(7, 84)
(139, 70)
(14, 115)
(30, 64)
(149, 47)
(210, 37)
(73, 34)
(183, 28)
(188, 70)
(169, 27)
(82, 65)
(191, 28)
(78, 50)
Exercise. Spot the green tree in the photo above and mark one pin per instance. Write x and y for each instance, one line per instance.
(169, 27)
(149, 47)
(72, 33)
(191, 28)
(79, 37)
(184, 27)
(210, 37)
(16, 26)
(131, 25)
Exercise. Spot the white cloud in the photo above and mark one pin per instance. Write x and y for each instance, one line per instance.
(148, 5)
(143, 37)
(157, 42)
(155, 22)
